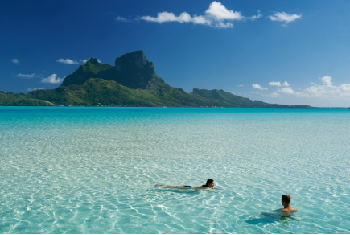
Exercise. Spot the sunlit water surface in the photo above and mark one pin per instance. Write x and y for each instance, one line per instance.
(93, 170)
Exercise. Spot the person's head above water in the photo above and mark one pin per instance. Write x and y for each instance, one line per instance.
(286, 204)
(285, 200)
(210, 183)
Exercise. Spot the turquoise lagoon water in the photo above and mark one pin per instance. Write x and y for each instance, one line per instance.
(92, 170)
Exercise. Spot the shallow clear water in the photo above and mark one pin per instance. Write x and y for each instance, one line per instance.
(92, 170)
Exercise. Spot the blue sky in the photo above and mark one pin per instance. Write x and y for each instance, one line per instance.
(284, 52)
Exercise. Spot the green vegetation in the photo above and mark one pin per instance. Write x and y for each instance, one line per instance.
(131, 82)
(131, 70)
(90, 69)
(239, 101)
(20, 99)
(97, 91)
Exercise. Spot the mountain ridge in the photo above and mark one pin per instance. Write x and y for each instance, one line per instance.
(132, 81)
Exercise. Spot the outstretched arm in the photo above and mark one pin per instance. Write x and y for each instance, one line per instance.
(170, 186)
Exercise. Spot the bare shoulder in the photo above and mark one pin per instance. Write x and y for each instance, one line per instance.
(290, 209)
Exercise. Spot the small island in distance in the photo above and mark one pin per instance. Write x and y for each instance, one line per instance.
(132, 82)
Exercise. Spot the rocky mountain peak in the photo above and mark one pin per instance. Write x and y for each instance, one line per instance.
(133, 61)
(132, 70)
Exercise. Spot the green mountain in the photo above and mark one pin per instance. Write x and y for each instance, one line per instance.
(131, 82)
(132, 70)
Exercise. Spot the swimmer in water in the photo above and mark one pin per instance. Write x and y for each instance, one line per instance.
(285, 212)
(210, 184)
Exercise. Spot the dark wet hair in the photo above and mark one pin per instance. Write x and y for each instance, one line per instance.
(286, 198)
(209, 181)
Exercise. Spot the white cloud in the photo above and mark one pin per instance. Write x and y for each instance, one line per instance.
(67, 61)
(274, 94)
(26, 76)
(282, 16)
(285, 84)
(326, 90)
(182, 18)
(15, 61)
(345, 87)
(223, 25)
(279, 84)
(324, 93)
(327, 80)
(219, 11)
(286, 90)
(275, 83)
(257, 86)
(167, 17)
(33, 89)
(201, 20)
(214, 16)
(254, 17)
(240, 85)
(121, 19)
(52, 79)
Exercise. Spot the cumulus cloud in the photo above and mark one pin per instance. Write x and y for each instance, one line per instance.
(257, 86)
(52, 79)
(67, 61)
(33, 89)
(214, 16)
(327, 80)
(282, 16)
(324, 90)
(26, 76)
(286, 90)
(279, 84)
(219, 11)
(327, 89)
(182, 18)
(275, 83)
(15, 61)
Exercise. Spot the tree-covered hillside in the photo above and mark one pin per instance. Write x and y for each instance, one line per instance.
(131, 82)
(20, 99)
